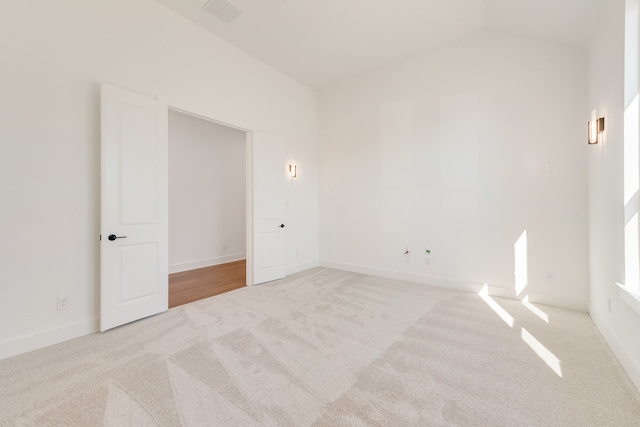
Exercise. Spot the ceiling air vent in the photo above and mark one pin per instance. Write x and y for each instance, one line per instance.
(224, 10)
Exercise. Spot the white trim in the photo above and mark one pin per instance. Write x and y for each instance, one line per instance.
(248, 207)
(186, 266)
(400, 275)
(631, 296)
(46, 338)
(625, 358)
(457, 285)
(208, 119)
(301, 267)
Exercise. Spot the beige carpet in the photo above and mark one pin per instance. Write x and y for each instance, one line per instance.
(329, 348)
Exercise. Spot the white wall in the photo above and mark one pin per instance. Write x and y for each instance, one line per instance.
(460, 151)
(54, 57)
(606, 184)
(206, 193)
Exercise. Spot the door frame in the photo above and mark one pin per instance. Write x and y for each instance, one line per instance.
(248, 187)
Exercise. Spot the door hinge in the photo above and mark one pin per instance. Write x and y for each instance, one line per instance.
(101, 237)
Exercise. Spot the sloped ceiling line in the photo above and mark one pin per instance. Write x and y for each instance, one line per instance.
(321, 43)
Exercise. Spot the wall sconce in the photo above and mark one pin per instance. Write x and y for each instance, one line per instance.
(596, 127)
(293, 170)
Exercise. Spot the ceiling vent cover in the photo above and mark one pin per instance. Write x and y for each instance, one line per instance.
(222, 9)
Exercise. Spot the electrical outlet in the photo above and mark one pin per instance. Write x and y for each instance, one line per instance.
(407, 256)
(550, 275)
(224, 247)
(427, 257)
(64, 303)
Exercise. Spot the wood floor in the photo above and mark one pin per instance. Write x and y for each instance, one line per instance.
(194, 285)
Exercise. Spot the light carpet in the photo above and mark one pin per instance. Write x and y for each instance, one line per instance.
(329, 348)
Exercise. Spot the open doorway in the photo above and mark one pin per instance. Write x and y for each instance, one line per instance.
(207, 209)
(134, 207)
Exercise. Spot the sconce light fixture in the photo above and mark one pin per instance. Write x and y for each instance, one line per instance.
(293, 170)
(596, 127)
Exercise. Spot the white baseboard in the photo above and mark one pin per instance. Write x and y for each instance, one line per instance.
(186, 266)
(627, 361)
(400, 275)
(301, 267)
(456, 285)
(46, 338)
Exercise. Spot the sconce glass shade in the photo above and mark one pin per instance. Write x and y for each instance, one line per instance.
(595, 128)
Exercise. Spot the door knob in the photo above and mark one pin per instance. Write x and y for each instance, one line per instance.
(281, 225)
(113, 237)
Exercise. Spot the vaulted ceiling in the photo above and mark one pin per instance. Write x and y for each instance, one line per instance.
(323, 42)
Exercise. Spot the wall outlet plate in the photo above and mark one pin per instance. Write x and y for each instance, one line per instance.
(64, 303)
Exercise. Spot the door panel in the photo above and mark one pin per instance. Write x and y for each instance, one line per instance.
(134, 266)
(139, 157)
(270, 240)
(269, 172)
(138, 283)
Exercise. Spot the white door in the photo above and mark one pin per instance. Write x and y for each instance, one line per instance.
(134, 208)
(269, 173)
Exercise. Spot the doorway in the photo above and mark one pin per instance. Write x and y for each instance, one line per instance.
(207, 209)
(134, 208)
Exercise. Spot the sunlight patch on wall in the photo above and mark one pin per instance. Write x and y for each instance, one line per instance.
(631, 162)
(520, 263)
(543, 352)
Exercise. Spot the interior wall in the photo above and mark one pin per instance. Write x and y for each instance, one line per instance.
(619, 325)
(206, 193)
(54, 57)
(474, 151)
